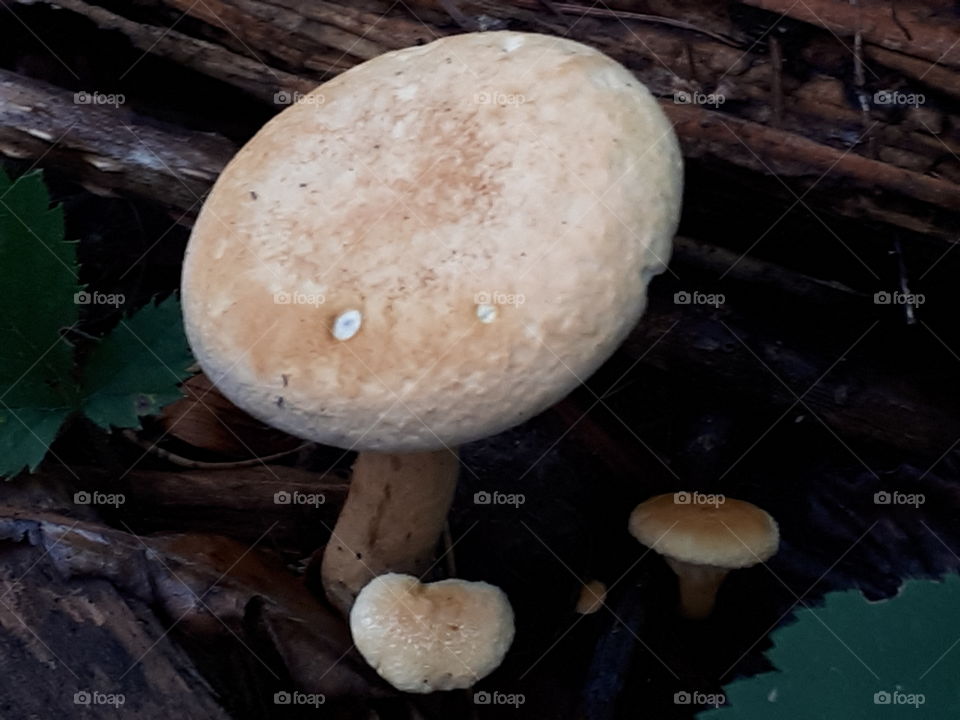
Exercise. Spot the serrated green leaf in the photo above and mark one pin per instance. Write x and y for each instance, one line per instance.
(25, 436)
(38, 280)
(898, 658)
(136, 370)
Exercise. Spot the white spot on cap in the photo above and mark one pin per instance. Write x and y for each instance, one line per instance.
(512, 43)
(486, 313)
(407, 92)
(347, 324)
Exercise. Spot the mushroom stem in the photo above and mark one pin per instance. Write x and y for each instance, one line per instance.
(391, 522)
(698, 587)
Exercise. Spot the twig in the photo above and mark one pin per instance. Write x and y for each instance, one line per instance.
(614, 654)
(605, 12)
(457, 15)
(909, 305)
(776, 80)
(860, 80)
(201, 465)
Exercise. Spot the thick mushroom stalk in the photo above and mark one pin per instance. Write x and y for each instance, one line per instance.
(699, 585)
(391, 522)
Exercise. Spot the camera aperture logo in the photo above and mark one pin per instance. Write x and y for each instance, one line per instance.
(696, 697)
(884, 497)
(98, 98)
(898, 298)
(286, 497)
(295, 97)
(86, 497)
(499, 298)
(486, 497)
(285, 697)
(95, 697)
(698, 498)
(685, 297)
(299, 298)
(85, 297)
(896, 97)
(683, 97)
(897, 697)
(499, 98)
(485, 697)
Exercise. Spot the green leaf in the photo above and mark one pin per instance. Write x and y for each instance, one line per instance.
(136, 370)
(898, 658)
(38, 280)
(25, 436)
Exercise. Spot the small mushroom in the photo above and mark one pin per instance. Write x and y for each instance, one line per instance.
(592, 596)
(423, 637)
(431, 248)
(703, 541)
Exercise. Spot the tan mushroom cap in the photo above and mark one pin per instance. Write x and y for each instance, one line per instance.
(435, 636)
(731, 534)
(435, 245)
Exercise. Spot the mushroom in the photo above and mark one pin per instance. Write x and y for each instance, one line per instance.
(428, 249)
(592, 596)
(703, 541)
(436, 636)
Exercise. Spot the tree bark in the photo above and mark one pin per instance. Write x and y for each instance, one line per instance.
(800, 111)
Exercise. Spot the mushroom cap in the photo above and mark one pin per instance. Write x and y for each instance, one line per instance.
(435, 245)
(436, 636)
(731, 534)
(592, 596)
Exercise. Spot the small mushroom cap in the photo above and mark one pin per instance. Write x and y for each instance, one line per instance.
(592, 596)
(435, 245)
(434, 636)
(729, 534)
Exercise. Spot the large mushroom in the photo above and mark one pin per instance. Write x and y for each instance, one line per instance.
(429, 249)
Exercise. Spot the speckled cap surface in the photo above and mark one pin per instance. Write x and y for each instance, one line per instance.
(423, 637)
(435, 245)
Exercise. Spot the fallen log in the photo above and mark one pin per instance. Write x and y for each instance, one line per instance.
(61, 657)
(784, 99)
(106, 148)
